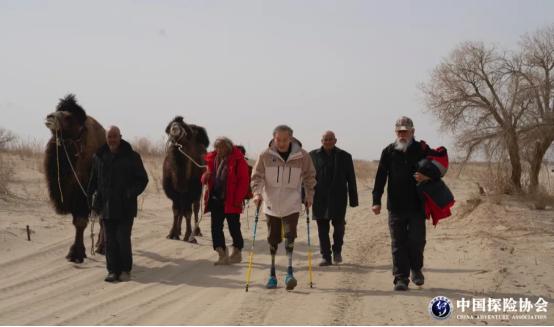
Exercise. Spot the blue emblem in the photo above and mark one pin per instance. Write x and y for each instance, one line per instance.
(440, 308)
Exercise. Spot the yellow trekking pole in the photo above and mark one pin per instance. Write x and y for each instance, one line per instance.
(251, 256)
(309, 248)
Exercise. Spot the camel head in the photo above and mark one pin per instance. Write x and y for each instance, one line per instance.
(178, 131)
(68, 119)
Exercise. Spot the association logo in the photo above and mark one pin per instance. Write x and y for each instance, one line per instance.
(440, 308)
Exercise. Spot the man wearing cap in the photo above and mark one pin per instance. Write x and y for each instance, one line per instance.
(398, 166)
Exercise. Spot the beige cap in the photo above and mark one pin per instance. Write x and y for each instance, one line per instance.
(404, 124)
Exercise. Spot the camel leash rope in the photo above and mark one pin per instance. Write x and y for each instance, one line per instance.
(73, 170)
(180, 148)
(58, 165)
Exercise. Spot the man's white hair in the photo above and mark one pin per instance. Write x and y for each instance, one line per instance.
(282, 128)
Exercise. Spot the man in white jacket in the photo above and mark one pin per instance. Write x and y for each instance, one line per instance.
(277, 180)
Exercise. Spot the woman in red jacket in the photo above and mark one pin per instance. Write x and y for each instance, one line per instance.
(227, 180)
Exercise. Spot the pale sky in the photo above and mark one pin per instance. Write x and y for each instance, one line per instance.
(239, 68)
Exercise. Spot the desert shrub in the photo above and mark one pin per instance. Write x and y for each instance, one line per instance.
(540, 199)
(6, 168)
(145, 147)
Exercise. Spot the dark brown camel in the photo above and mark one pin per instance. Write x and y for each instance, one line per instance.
(182, 170)
(67, 162)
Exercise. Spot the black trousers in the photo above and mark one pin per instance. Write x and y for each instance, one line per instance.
(218, 218)
(407, 231)
(117, 235)
(323, 228)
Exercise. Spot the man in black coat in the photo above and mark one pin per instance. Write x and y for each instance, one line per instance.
(398, 165)
(117, 179)
(336, 181)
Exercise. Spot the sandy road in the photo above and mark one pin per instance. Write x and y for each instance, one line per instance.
(486, 253)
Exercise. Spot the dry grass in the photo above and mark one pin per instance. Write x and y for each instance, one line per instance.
(492, 178)
(24, 148)
(540, 200)
(152, 154)
(6, 167)
(365, 172)
(147, 148)
(14, 149)
(27, 148)
(365, 169)
(6, 173)
(153, 166)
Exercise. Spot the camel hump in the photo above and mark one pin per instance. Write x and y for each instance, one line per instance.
(96, 134)
(201, 135)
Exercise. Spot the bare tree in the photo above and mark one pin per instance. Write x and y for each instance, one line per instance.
(537, 65)
(474, 95)
(6, 137)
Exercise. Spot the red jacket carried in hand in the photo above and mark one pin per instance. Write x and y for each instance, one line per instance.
(237, 180)
(437, 197)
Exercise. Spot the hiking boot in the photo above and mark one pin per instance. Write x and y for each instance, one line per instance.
(111, 278)
(271, 282)
(337, 257)
(235, 256)
(125, 276)
(401, 285)
(417, 277)
(290, 282)
(223, 257)
(325, 262)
